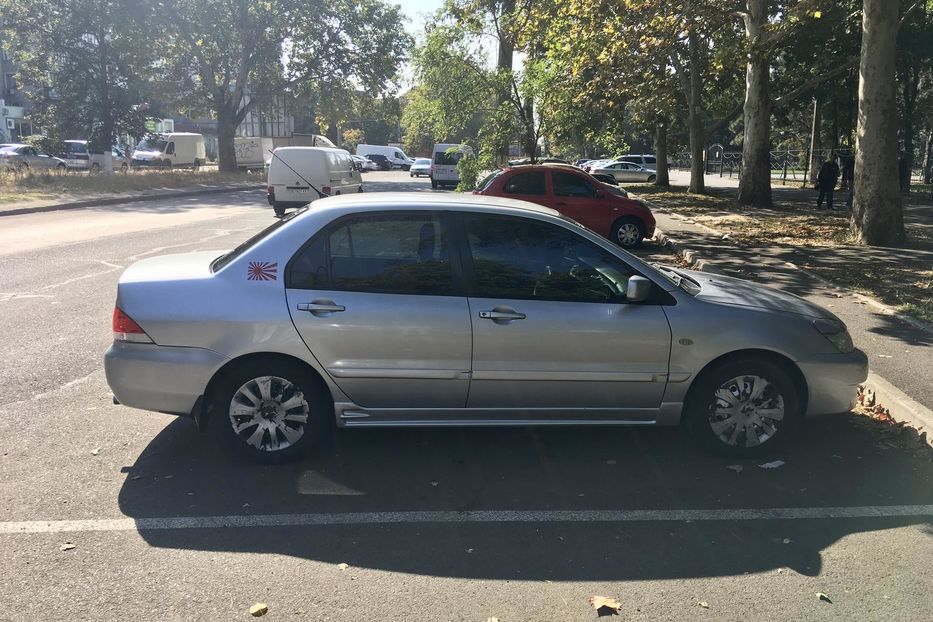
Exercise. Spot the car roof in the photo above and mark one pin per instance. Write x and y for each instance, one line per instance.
(424, 200)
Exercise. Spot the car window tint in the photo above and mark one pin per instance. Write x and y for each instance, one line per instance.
(650, 160)
(379, 254)
(525, 183)
(570, 185)
(525, 259)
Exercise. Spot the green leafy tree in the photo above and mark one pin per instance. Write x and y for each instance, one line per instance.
(240, 54)
(77, 60)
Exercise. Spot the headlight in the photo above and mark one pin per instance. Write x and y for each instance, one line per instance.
(837, 334)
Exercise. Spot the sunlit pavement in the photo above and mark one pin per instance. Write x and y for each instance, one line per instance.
(518, 524)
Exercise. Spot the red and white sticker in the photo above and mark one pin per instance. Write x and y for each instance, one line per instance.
(262, 271)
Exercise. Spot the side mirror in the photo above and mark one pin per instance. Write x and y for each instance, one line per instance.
(638, 290)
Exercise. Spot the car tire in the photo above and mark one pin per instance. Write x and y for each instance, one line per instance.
(197, 165)
(95, 168)
(651, 179)
(271, 411)
(707, 409)
(628, 232)
(278, 209)
(434, 184)
(411, 174)
(60, 168)
(124, 168)
(23, 168)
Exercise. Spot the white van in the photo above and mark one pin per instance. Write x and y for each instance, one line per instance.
(394, 155)
(174, 150)
(294, 170)
(444, 163)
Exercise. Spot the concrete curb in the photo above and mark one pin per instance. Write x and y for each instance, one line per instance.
(101, 201)
(902, 407)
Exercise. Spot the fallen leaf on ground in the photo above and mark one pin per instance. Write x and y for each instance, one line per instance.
(606, 606)
(738, 468)
(67, 546)
(435, 484)
(468, 550)
(137, 477)
(703, 604)
(823, 597)
(95, 451)
(343, 566)
(610, 461)
(772, 465)
(787, 540)
(259, 609)
(492, 619)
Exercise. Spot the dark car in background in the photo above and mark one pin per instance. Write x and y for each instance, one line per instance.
(381, 161)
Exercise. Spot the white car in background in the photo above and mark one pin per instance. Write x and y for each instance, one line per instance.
(364, 164)
(422, 166)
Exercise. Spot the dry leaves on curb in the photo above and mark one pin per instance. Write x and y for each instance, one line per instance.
(605, 606)
(703, 604)
(67, 546)
(343, 566)
(95, 451)
(259, 609)
(823, 597)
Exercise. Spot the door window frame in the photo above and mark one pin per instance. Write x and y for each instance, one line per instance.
(447, 225)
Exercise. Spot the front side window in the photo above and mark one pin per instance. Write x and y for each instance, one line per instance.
(525, 183)
(570, 185)
(384, 254)
(525, 259)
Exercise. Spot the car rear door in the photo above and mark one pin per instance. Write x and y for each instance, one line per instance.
(526, 186)
(552, 331)
(378, 301)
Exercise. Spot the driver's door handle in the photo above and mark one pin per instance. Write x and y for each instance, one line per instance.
(501, 315)
(322, 306)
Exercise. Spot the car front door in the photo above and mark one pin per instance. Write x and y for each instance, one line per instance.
(575, 197)
(376, 299)
(552, 330)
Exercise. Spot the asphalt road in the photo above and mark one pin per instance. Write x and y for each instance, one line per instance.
(522, 524)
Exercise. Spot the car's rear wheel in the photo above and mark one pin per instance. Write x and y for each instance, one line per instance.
(271, 411)
(743, 407)
(278, 209)
(652, 178)
(434, 184)
(628, 232)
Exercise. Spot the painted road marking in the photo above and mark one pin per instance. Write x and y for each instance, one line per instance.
(490, 516)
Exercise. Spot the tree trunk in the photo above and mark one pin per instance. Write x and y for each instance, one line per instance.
(226, 131)
(694, 105)
(816, 143)
(928, 160)
(662, 178)
(911, 79)
(877, 212)
(755, 179)
(504, 59)
(530, 137)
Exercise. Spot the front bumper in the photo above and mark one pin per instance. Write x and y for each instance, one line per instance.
(161, 378)
(833, 381)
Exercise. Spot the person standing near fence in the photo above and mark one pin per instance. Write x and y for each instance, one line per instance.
(826, 182)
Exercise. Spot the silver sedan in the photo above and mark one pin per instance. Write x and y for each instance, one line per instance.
(25, 158)
(422, 310)
(625, 171)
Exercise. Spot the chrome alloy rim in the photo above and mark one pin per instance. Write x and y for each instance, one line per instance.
(746, 411)
(628, 234)
(269, 413)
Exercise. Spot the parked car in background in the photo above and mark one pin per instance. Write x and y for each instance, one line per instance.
(22, 158)
(589, 166)
(444, 160)
(297, 173)
(576, 195)
(394, 156)
(78, 157)
(364, 164)
(581, 162)
(626, 171)
(173, 150)
(606, 179)
(382, 163)
(522, 161)
(425, 310)
(421, 167)
(645, 160)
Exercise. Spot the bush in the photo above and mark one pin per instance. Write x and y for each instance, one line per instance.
(46, 144)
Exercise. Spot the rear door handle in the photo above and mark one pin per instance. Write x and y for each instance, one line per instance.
(320, 307)
(501, 315)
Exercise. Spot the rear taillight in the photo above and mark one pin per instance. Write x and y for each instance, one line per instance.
(125, 329)
(325, 189)
(270, 190)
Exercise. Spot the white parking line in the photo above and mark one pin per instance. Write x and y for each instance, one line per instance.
(490, 516)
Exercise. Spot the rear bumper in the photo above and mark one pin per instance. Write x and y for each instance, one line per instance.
(161, 378)
(833, 381)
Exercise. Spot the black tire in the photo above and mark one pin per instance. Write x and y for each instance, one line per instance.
(703, 400)
(411, 174)
(60, 168)
(434, 184)
(628, 232)
(197, 165)
(289, 382)
(124, 168)
(95, 168)
(652, 178)
(278, 209)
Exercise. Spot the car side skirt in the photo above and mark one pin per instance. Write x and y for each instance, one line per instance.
(349, 415)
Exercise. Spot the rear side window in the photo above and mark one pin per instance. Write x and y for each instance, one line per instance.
(226, 258)
(633, 159)
(570, 185)
(525, 183)
(383, 254)
(650, 160)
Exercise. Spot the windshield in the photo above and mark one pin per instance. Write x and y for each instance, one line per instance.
(488, 179)
(444, 158)
(151, 144)
(226, 258)
(422, 161)
(76, 147)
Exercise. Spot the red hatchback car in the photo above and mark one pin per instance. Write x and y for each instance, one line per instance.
(576, 195)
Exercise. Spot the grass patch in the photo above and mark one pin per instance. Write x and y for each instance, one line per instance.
(16, 188)
(905, 283)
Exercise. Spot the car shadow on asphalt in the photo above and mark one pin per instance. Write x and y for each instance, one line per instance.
(838, 461)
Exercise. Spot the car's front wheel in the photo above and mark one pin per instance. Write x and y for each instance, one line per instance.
(743, 407)
(651, 179)
(628, 232)
(271, 411)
